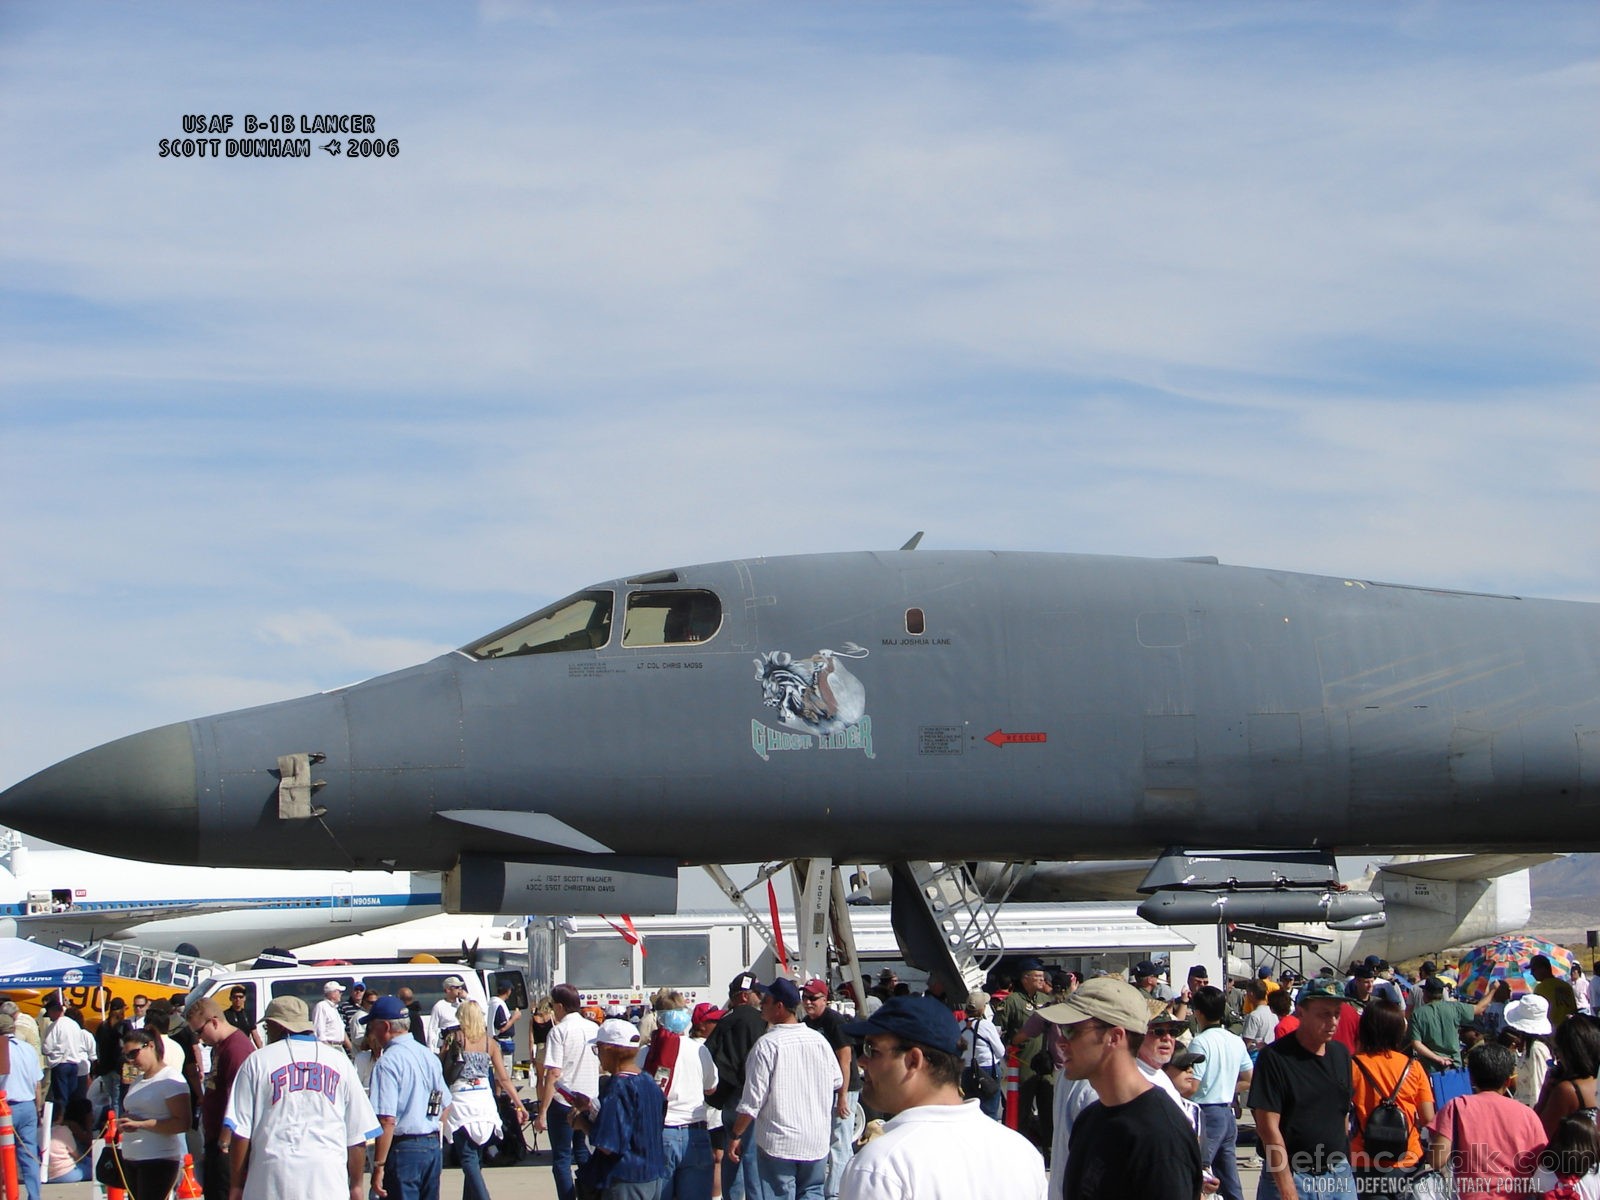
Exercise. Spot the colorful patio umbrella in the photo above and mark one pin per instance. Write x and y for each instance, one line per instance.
(1507, 958)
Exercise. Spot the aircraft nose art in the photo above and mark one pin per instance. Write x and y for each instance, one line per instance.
(135, 797)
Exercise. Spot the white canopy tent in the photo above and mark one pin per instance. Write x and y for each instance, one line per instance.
(25, 964)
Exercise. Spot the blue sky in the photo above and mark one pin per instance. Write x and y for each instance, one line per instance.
(1304, 286)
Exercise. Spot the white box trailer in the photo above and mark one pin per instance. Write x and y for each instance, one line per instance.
(699, 953)
(696, 953)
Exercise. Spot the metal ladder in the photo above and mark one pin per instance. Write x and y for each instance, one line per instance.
(968, 931)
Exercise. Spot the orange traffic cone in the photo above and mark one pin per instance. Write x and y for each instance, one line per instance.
(8, 1150)
(188, 1187)
(113, 1139)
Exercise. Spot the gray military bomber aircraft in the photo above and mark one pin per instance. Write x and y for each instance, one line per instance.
(886, 707)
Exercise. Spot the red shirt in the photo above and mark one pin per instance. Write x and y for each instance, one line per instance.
(227, 1056)
(1494, 1144)
(1349, 1027)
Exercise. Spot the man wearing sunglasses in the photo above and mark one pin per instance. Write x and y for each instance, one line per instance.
(238, 1015)
(229, 1048)
(1134, 1144)
(937, 1146)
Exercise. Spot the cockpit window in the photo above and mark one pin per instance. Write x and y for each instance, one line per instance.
(581, 622)
(668, 618)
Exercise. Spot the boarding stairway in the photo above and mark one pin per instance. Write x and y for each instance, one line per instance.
(942, 922)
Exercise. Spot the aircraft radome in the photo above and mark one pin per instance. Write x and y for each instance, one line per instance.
(881, 707)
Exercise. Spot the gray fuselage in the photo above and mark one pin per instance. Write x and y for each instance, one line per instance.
(975, 706)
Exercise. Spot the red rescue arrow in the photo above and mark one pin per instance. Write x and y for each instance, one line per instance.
(1001, 738)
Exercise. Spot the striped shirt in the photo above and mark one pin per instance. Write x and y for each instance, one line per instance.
(789, 1083)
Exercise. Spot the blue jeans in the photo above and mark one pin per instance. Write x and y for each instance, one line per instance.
(568, 1148)
(82, 1173)
(739, 1178)
(1337, 1184)
(469, 1157)
(786, 1179)
(995, 1106)
(63, 1084)
(412, 1170)
(1219, 1148)
(25, 1116)
(112, 1082)
(840, 1150)
(689, 1165)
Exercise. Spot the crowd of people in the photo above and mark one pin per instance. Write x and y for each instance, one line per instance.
(758, 1099)
(359, 1093)
(1365, 1084)
(1369, 1084)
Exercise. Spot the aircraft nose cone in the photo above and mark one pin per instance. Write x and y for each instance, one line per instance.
(134, 798)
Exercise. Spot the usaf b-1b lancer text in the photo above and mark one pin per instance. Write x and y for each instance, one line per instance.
(888, 708)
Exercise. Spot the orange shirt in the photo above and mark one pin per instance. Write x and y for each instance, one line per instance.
(1249, 1005)
(1386, 1068)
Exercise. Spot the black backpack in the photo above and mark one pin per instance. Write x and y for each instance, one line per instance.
(1387, 1131)
(452, 1055)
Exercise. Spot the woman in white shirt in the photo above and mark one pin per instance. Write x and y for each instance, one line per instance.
(1527, 1031)
(685, 1139)
(157, 1117)
(474, 1117)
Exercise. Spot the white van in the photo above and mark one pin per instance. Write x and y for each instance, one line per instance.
(426, 980)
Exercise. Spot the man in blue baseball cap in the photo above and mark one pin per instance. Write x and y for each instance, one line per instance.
(409, 1095)
(937, 1145)
(786, 1107)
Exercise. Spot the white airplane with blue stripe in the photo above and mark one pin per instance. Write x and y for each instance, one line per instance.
(220, 913)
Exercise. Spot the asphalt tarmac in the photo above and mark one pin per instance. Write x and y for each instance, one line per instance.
(530, 1180)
